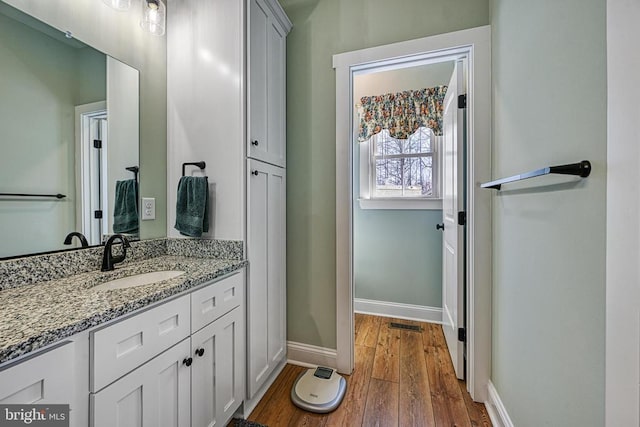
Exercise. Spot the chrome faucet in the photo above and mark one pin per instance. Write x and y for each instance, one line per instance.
(80, 236)
(108, 260)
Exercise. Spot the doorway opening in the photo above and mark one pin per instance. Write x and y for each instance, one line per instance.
(472, 47)
(91, 173)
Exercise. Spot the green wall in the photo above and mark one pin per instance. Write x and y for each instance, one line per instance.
(322, 28)
(397, 256)
(549, 100)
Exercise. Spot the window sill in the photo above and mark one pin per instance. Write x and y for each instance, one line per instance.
(421, 204)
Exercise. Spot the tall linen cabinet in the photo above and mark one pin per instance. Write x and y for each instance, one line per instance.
(226, 64)
(266, 193)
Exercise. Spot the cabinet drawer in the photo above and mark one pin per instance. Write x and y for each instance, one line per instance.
(123, 346)
(211, 302)
(45, 378)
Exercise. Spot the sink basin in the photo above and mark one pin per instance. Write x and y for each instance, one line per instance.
(138, 280)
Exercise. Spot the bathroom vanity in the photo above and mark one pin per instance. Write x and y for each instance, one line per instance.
(165, 353)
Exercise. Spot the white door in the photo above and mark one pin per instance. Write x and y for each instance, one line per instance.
(266, 307)
(217, 386)
(452, 203)
(267, 80)
(156, 394)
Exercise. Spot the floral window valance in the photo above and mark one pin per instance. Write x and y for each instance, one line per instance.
(401, 113)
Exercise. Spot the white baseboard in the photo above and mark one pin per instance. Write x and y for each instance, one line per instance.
(310, 356)
(495, 408)
(398, 310)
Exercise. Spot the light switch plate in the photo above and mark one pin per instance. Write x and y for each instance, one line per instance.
(148, 208)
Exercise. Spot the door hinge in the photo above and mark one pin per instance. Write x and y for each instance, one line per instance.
(97, 214)
(462, 101)
(462, 335)
(462, 218)
(97, 143)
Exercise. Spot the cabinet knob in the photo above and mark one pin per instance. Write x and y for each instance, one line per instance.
(440, 226)
(187, 361)
(200, 352)
(254, 142)
(255, 173)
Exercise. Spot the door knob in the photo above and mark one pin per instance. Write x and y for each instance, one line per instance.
(440, 226)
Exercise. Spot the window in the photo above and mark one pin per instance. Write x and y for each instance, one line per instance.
(400, 173)
(404, 167)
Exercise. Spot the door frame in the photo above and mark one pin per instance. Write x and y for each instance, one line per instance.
(476, 44)
(84, 219)
(622, 335)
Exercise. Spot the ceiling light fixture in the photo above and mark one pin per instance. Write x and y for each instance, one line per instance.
(118, 4)
(154, 15)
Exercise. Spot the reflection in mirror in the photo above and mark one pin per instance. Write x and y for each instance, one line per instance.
(69, 125)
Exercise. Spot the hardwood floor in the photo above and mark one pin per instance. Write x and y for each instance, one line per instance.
(402, 378)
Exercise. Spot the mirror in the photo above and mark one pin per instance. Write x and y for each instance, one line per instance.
(69, 120)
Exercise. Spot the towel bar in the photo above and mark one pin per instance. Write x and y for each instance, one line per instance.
(57, 196)
(582, 169)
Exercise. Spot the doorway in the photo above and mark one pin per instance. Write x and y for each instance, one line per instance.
(473, 44)
(398, 189)
(91, 171)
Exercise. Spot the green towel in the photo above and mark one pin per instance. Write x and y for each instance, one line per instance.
(192, 216)
(125, 210)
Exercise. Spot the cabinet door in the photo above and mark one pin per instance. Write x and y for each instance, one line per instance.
(45, 378)
(266, 298)
(217, 380)
(156, 394)
(266, 85)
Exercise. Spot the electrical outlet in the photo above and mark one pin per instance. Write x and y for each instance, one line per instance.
(148, 208)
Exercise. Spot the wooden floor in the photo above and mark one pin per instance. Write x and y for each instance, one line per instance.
(401, 378)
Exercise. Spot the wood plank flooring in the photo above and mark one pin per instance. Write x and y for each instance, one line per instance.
(402, 378)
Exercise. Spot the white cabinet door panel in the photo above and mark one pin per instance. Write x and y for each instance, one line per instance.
(266, 287)
(217, 373)
(155, 394)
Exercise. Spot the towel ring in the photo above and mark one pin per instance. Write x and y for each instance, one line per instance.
(201, 165)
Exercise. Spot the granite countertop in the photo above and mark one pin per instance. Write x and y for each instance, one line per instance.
(39, 314)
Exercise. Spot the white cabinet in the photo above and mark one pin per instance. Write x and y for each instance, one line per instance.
(155, 394)
(266, 291)
(217, 372)
(35, 381)
(198, 381)
(268, 28)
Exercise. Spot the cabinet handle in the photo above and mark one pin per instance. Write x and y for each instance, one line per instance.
(254, 142)
(255, 173)
(200, 352)
(187, 361)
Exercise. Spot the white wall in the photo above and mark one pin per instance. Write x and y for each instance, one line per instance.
(123, 128)
(205, 74)
(623, 213)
